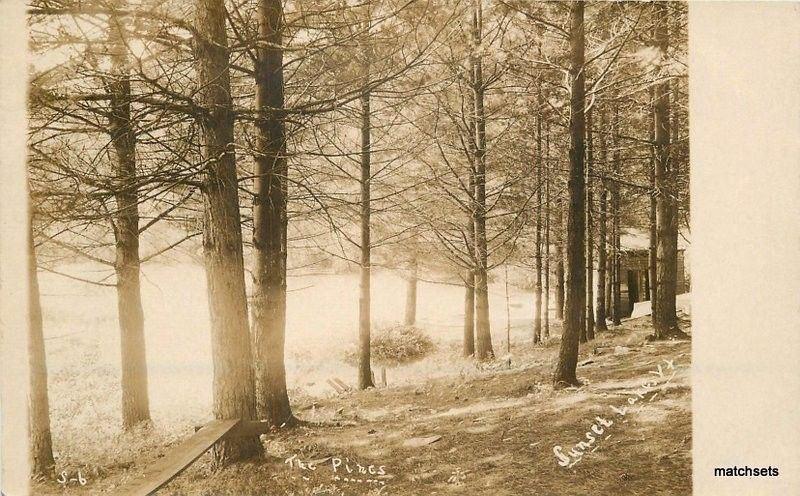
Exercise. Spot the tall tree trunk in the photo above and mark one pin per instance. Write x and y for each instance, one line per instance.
(666, 321)
(610, 274)
(675, 164)
(576, 283)
(483, 346)
(469, 313)
(234, 390)
(602, 238)
(546, 323)
(269, 214)
(651, 261)
(589, 324)
(135, 401)
(410, 317)
(365, 286)
(364, 301)
(469, 277)
(616, 309)
(41, 453)
(560, 264)
(583, 335)
(537, 300)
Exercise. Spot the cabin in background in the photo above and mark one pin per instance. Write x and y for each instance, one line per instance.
(635, 276)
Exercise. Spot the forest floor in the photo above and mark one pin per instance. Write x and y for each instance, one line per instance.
(493, 433)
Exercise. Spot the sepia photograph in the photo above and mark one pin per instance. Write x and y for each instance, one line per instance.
(354, 247)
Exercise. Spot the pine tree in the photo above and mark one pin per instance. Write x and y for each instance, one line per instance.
(565, 373)
(41, 447)
(234, 389)
(270, 221)
(135, 401)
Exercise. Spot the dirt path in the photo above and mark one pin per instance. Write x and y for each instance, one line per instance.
(493, 435)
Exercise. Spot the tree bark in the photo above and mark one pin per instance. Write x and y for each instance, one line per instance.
(610, 275)
(589, 324)
(616, 310)
(560, 265)
(469, 278)
(546, 323)
(410, 317)
(234, 390)
(135, 401)
(576, 223)
(483, 343)
(537, 300)
(602, 238)
(269, 222)
(666, 321)
(651, 262)
(364, 301)
(469, 313)
(41, 454)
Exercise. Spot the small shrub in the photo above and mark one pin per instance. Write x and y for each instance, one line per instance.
(395, 345)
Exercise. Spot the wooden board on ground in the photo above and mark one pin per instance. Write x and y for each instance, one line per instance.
(343, 384)
(339, 389)
(178, 458)
(418, 442)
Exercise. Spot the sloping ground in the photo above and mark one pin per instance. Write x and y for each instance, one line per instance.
(683, 303)
(492, 435)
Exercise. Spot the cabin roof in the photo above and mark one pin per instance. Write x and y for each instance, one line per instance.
(633, 239)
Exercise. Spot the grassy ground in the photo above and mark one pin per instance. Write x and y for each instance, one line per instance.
(83, 357)
(498, 429)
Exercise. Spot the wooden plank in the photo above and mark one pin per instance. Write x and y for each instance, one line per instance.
(245, 428)
(418, 442)
(344, 385)
(335, 386)
(160, 472)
